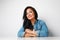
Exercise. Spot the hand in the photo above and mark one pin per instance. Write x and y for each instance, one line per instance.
(29, 33)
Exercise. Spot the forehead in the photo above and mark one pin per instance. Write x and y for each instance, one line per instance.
(29, 9)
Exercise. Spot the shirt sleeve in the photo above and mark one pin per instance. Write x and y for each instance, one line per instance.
(21, 32)
(43, 32)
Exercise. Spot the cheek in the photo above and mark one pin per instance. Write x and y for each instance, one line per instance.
(30, 16)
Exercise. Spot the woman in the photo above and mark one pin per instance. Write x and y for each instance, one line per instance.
(32, 27)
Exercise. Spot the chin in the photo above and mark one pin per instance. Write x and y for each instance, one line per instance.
(29, 18)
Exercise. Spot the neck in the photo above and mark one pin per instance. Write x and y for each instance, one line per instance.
(33, 21)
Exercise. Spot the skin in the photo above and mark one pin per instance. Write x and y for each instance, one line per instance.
(29, 33)
(30, 15)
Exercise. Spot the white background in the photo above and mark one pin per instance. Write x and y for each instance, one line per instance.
(11, 13)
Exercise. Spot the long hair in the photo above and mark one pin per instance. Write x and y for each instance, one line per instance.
(27, 23)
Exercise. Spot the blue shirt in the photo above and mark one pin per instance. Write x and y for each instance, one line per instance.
(40, 28)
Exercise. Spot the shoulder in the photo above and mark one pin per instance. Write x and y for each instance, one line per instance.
(40, 21)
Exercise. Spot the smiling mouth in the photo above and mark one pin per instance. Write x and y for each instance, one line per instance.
(29, 16)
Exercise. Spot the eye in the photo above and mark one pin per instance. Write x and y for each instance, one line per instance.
(30, 11)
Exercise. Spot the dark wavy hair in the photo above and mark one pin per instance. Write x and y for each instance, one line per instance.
(27, 23)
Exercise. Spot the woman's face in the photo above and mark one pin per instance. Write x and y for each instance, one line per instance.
(30, 14)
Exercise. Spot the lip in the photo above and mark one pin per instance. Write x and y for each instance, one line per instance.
(29, 16)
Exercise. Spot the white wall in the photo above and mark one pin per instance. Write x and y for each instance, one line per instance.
(11, 12)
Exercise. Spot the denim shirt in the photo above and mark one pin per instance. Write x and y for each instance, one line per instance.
(40, 28)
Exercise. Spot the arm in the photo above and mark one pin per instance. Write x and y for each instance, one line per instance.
(30, 33)
(21, 32)
(43, 32)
